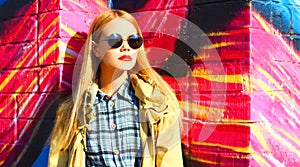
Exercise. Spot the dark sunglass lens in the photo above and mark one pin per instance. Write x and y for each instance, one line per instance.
(115, 40)
(135, 41)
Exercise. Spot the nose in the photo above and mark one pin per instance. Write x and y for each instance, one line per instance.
(125, 47)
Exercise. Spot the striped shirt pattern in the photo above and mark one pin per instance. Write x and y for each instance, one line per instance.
(114, 138)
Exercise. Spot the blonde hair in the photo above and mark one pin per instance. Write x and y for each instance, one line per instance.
(65, 127)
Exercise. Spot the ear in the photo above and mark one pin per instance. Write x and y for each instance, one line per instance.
(95, 49)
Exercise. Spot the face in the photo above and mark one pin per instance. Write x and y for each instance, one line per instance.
(116, 56)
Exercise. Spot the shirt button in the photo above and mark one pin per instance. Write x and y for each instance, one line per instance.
(112, 104)
(113, 126)
(107, 97)
(116, 152)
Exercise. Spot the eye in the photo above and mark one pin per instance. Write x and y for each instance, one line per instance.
(135, 41)
(114, 40)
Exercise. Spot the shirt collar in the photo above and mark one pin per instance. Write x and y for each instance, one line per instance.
(125, 91)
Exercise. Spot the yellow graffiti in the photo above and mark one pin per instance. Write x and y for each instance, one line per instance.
(267, 28)
(262, 22)
(202, 112)
(201, 160)
(269, 77)
(49, 50)
(195, 107)
(12, 74)
(74, 2)
(228, 33)
(260, 160)
(257, 132)
(293, 106)
(283, 71)
(220, 44)
(270, 91)
(11, 98)
(70, 31)
(58, 44)
(288, 135)
(220, 33)
(53, 23)
(278, 138)
(100, 4)
(228, 78)
(7, 80)
(284, 138)
(267, 89)
(233, 148)
(34, 81)
(2, 150)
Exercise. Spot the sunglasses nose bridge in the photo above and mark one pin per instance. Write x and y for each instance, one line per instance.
(125, 45)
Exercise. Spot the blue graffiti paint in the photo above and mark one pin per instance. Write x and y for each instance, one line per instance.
(42, 160)
(281, 17)
(110, 4)
(283, 14)
(2, 2)
(295, 10)
(263, 8)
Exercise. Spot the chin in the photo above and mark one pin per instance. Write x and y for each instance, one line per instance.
(126, 66)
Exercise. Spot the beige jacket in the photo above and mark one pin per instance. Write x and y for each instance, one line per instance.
(159, 129)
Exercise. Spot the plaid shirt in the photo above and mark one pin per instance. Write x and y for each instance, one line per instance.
(114, 139)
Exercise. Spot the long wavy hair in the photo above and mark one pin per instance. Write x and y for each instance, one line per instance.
(67, 115)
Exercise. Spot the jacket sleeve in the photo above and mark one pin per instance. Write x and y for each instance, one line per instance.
(59, 159)
(168, 142)
(73, 157)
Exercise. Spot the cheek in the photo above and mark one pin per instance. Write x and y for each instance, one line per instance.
(134, 54)
(109, 58)
(103, 50)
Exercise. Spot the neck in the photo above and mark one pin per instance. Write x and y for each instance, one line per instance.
(111, 80)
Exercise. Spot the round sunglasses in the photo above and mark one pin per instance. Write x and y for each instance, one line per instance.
(115, 40)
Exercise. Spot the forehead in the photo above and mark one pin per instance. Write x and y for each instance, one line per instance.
(120, 26)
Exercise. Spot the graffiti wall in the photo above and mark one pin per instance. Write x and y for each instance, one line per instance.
(274, 87)
(232, 64)
(38, 48)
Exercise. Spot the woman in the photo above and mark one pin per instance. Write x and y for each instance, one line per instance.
(122, 112)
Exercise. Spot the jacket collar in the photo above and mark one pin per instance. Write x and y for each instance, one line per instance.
(153, 102)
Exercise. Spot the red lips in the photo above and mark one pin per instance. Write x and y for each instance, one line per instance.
(125, 58)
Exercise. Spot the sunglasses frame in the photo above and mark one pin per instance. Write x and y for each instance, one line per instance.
(119, 40)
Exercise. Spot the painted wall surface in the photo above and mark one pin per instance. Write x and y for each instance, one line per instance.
(274, 83)
(233, 65)
(39, 43)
